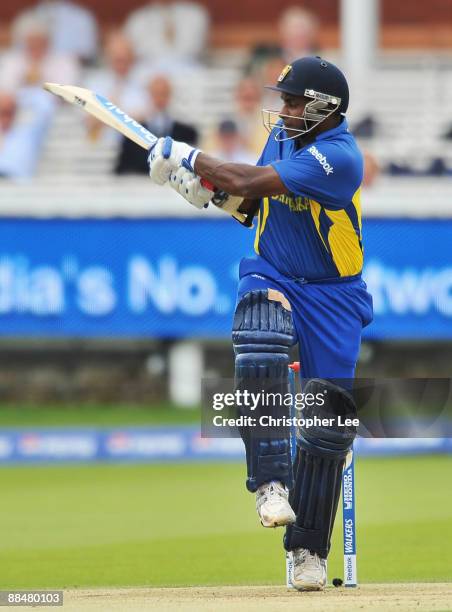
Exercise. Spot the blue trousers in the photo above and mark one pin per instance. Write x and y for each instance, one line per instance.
(328, 317)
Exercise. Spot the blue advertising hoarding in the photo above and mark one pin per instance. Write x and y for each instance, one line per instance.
(178, 277)
(164, 444)
(408, 270)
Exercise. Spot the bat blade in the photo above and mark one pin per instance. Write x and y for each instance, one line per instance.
(105, 111)
(112, 115)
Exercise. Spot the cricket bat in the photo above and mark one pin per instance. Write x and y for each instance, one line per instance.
(112, 115)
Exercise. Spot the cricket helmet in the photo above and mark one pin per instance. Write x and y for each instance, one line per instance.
(321, 82)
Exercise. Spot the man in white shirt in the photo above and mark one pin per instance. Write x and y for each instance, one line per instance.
(32, 61)
(169, 34)
(24, 121)
(73, 29)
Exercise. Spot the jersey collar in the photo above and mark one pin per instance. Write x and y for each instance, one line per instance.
(339, 129)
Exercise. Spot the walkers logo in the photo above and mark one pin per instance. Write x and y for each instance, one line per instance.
(349, 544)
(328, 168)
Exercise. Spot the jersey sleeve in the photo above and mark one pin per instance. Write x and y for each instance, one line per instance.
(323, 172)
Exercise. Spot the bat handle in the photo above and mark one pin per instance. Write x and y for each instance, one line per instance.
(204, 182)
(241, 218)
(208, 185)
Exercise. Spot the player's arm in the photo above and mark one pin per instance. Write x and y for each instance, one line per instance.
(175, 162)
(242, 180)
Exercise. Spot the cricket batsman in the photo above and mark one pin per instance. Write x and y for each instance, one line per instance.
(303, 285)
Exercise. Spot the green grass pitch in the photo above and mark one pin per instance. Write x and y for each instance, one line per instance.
(92, 415)
(109, 525)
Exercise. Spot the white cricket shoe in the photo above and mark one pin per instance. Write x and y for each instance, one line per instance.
(272, 505)
(309, 570)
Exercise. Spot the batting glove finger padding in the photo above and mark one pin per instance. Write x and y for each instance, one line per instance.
(189, 186)
(167, 155)
(159, 161)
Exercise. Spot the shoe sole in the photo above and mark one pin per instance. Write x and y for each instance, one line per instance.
(309, 587)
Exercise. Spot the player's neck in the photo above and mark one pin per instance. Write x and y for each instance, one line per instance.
(328, 124)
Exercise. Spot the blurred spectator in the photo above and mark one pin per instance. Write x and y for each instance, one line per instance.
(169, 34)
(400, 168)
(371, 169)
(298, 31)
(118, 81)
(230, 145)
(247, 117)
(409, 166)
(72, 29)
(437, 167)
(269, 74)
(161, 122)
(132, 158)
(32, 62)
(366, 127)
(24, 120)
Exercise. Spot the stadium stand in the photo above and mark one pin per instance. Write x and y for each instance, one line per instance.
(406, 88)
(404, 91)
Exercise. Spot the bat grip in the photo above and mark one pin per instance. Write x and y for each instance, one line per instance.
(208, 185)
(241, 218)
(204, 182)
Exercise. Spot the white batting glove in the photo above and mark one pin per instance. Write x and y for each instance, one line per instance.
(167, 155)
(159, 164)
(189, 186)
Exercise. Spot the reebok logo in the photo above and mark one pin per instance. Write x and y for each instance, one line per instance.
(321, 159)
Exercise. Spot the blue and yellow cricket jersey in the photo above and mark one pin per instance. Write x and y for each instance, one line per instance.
(315, 231)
